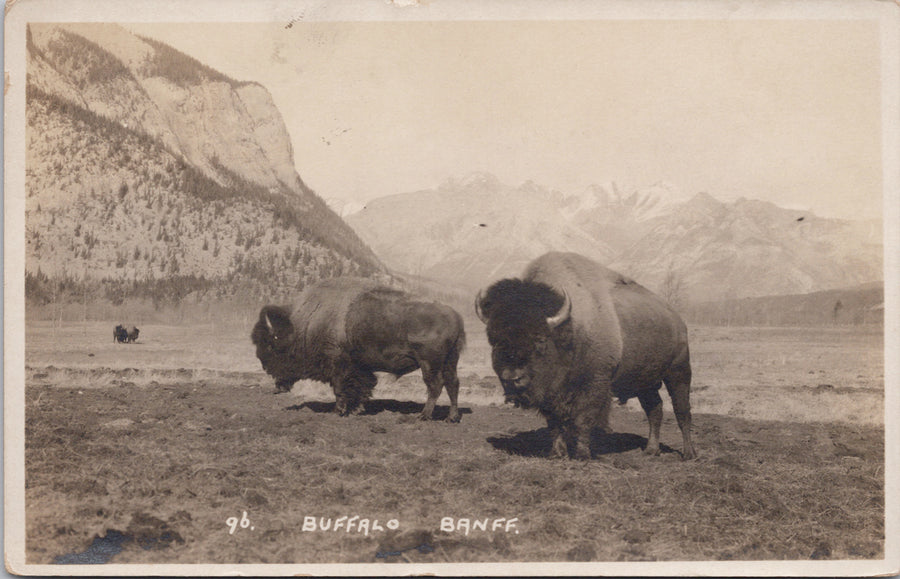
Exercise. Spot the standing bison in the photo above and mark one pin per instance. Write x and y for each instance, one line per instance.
(133, 334)
(571, 334)
(343, 330)
(125, 335)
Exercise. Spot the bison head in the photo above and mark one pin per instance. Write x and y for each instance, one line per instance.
(531, 345)
(273, 336)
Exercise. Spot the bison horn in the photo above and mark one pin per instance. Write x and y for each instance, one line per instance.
(478, 309)
(269, 323)
(563, 314)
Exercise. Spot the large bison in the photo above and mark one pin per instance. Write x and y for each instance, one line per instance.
(342, 330)
(571, 334)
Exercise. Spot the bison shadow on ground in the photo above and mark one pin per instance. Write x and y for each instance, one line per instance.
(539, 443)
(378, 406)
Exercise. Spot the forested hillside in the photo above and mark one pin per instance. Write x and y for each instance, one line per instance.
(118, 206)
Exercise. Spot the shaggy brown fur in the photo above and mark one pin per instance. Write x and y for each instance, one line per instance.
(343, 330)
(613, 338)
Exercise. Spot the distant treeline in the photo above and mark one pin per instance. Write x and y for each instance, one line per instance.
(241, 295)
(188, 297)
(163, 293)
(89, 64)
(178, 67)
(862, 305)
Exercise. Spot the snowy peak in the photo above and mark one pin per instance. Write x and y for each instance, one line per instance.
(610, 200)
(656, 200)
(476, 181)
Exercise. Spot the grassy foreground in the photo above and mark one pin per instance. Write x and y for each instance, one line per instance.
(183, 454)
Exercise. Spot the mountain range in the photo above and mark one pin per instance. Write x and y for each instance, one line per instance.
(142, 164)
(473, 230)
(148, 171)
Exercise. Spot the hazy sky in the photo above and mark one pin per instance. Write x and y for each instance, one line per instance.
(787, 111)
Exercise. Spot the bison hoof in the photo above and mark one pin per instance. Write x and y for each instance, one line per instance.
(689, 454)
(582, 453)
(651, 450)
(452, 419)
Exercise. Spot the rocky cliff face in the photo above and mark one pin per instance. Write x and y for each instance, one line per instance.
(210, 120)
(143, 165)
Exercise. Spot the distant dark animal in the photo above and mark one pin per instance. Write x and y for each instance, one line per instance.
(571, 334)
(343, 330)
(132, 334)
(800, 218)
(120, 334)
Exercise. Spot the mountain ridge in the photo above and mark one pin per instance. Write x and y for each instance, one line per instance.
(133, 181)
(660, 235)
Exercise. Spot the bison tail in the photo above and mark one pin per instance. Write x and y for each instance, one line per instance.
(460, 344)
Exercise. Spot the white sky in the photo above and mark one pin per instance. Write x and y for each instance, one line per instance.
(786, 111)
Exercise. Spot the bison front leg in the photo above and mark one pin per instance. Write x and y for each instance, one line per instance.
(283, 385)
(352, 389)
(570, 436)
(560, 437)
(592, 411)
(582, 436)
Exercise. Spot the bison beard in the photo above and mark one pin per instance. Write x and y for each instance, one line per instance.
(571, 335)
(344, 330)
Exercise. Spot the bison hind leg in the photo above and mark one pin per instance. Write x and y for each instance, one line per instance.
(435, 378)
(678, 384)
(652, 405)
(451, 383)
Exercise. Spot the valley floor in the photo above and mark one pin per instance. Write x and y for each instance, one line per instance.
(159, 452)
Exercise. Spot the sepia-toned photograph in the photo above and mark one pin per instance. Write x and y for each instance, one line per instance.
(407, 287)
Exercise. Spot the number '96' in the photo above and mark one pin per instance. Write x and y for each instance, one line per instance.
(234, 522)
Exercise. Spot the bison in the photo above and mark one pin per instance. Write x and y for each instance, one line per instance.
(132, 334)
(120, 334)
(571, 334)
(343, 330)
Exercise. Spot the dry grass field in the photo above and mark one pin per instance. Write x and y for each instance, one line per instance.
(176, 449)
